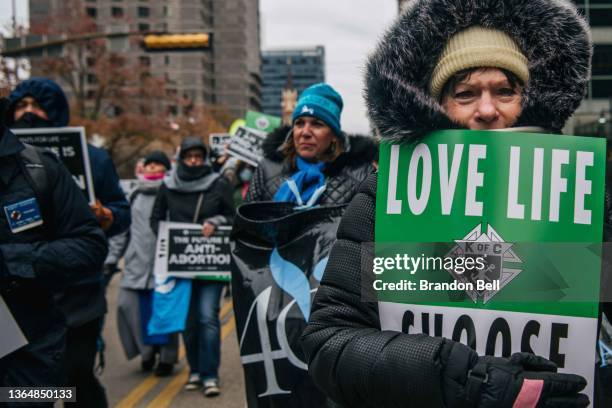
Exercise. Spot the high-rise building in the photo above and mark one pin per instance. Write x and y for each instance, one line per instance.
(289, 68)
(594, 116)
(226, 74)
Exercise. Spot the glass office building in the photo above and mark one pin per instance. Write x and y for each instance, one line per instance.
(299, 68)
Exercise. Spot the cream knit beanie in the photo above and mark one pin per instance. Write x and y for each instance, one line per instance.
(474, 47)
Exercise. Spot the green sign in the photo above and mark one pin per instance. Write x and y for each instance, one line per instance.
(261, 121)
(493, 239)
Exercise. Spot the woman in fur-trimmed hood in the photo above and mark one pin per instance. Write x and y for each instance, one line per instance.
(313, 158)
(475, 64)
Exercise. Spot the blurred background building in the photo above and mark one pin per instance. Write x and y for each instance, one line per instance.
(595, 113)
(289, 69)
(227, 73)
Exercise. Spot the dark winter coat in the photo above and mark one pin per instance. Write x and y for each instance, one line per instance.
(350, 358)
(217, 205)
(342, 177)
(83, 300)
(68, 247)
(108, 189)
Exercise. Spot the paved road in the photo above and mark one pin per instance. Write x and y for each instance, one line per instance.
(127, 386)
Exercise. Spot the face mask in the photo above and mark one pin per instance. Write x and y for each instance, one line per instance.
(245, 175)
(152, 176)
(30, 120)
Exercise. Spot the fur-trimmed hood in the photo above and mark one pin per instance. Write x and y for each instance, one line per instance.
(361, 149)
(552, 35)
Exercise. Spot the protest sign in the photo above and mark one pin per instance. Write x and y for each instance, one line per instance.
(246, 145)
(12, 336)
(278, 258)
(217, 142)
(70, 145)
(183, 252)
(261, 121)
(493, 239)
(235, 125)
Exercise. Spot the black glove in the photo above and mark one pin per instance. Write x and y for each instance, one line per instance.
(109, 270)
(493, 382)
(4, 111)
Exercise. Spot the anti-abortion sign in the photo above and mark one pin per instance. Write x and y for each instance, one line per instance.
(218, 141)
(261, 121)
(183, 252)
(493, 239)
(70, 145)
(247, 144)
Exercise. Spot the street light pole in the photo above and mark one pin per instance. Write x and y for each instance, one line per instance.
(14, 18)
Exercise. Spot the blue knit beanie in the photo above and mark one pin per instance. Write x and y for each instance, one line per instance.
(322, 102)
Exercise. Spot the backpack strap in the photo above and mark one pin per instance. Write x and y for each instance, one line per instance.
(133, 196)
(35, 170)
(37, 177)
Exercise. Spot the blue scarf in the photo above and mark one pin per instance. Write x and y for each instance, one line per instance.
(305, 186)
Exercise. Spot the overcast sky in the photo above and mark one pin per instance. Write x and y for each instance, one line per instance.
(349, 30)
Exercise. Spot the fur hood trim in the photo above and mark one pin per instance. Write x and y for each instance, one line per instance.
(552, 35)
(363, 149)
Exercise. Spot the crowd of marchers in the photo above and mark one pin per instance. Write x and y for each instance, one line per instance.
(54, 275)
(444, 64)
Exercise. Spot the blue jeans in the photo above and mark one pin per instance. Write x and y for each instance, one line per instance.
(202, 335)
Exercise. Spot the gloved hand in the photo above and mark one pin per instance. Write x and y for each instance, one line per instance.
(109, 270)
(103, 214)
(521, 381)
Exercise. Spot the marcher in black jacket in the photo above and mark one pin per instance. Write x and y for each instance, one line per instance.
(193, 193)
(347, 159)
(40, 102)
(535, 57)
(35, 262)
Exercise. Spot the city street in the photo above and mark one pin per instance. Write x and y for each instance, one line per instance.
(126, 386)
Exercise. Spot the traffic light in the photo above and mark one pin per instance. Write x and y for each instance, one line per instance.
(181, 42)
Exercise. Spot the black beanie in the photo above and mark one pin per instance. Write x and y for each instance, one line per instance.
(157, 156)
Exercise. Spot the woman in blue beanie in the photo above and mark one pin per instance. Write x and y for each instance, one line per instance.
(313, 161)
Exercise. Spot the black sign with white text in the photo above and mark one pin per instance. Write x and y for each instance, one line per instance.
(70, 145)
(183, 252)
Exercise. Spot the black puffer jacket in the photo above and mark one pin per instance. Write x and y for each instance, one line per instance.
(68, 247)
(217, 205)
(350, 358)
(343, 176)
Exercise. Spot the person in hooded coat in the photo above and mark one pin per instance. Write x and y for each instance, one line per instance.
(445, 64)
(35, 261)
(38, 103)
(193, 193)
(134, 303)
(325, 164)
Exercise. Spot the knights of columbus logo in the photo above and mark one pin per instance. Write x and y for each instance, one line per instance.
(262, 123)
(498, 259)
(306, 109)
